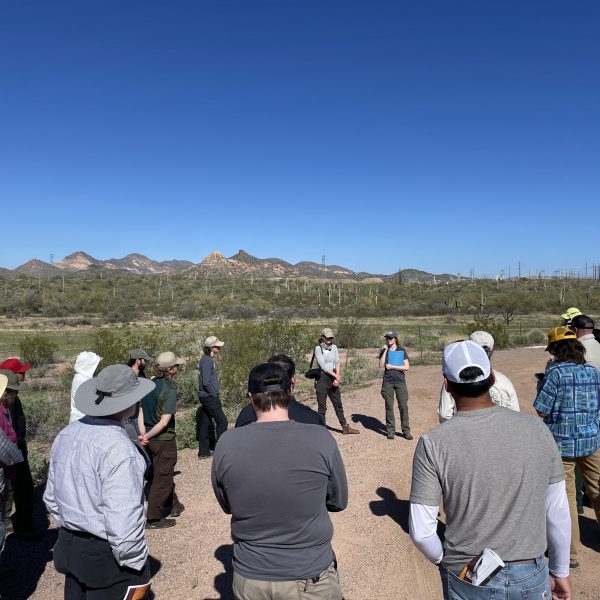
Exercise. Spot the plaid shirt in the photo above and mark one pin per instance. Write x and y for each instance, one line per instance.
(570, 399)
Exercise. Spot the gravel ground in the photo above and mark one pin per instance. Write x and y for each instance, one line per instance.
(377, 560)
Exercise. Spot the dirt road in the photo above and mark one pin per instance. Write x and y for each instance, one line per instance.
(377, 559)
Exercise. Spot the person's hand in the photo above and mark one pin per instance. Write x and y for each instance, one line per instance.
(388, 366)
(143, 439)
(561, 587)
(336, 382)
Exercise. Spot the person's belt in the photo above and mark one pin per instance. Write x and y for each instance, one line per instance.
(83, 534)
(524, 561)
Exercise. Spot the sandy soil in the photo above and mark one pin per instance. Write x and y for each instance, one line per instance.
(377, 560)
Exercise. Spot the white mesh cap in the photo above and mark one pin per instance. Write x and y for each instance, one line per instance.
(459, 356)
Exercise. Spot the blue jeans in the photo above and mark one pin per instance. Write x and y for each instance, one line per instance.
(516, 581)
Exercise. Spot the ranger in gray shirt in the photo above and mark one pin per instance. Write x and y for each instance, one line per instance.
(278, 479)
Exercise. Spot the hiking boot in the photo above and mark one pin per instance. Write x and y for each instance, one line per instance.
(346, 429)
(391, 436)
(160, 523)
(407, 436)
(177, 510)
(203, 456)
(573, 563)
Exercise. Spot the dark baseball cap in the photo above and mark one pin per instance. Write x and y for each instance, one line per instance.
(268, 377)
(582, 322)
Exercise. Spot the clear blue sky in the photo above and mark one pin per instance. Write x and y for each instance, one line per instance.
(435, 135)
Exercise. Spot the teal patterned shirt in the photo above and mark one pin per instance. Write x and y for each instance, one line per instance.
(569, 397)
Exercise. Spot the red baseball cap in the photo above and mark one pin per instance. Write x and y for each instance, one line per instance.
(15, 365)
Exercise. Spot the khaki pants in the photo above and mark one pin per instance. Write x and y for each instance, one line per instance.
(590, 471)
(326, 588)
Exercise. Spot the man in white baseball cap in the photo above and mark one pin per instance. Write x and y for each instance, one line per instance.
(501, 480)
(101, 548)
(502, 392)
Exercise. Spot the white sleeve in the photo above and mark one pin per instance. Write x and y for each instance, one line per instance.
(49, 497)
(423, 531)
(446, 405)
(558, 529)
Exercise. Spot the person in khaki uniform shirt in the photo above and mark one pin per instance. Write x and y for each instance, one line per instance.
(583, 326)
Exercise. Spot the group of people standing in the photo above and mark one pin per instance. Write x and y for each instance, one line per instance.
(498, 474)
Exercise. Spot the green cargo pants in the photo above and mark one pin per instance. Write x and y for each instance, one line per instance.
(388, 390)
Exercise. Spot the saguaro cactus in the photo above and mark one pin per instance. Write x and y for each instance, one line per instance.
(562, 292)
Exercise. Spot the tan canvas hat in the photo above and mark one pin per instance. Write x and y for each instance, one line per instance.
(212, 341)
(168, 359)
(326, 332)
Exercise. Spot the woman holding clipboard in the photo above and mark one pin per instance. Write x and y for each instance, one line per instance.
(394, 359)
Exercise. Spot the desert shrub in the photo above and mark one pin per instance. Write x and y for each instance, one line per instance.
(108, 344)
(37, 349)
(537, 337)
(496, 330)
(352, 334)
(188, 310)
(47, 412)
(520, 340)
(360, 370)
(38, 457)
(248, 343)
(241, 311)
(531, 338)
(186, 429)
(37, 372)
(187, 384)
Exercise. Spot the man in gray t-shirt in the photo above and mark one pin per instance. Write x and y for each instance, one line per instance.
(501, 480)
(278, 479)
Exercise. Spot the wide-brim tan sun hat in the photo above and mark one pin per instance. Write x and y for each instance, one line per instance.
(327, 332)
(116, 388)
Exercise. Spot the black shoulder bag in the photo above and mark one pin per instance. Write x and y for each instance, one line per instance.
(313, 373)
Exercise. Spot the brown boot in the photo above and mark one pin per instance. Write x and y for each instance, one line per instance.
(346, 429)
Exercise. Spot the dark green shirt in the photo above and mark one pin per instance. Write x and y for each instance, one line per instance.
(161, 401)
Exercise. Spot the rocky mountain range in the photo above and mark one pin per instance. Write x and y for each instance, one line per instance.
(215, 264)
